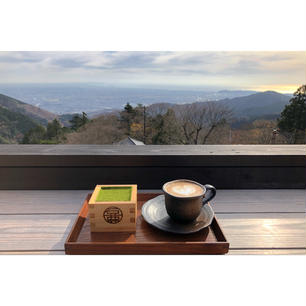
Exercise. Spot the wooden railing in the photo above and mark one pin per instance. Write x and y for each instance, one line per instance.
(84, 166)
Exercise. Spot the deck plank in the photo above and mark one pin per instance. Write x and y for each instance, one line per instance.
(258, 201)
(267, 252)
(41, 201)
(231, 252)
(32, 253)
(49, 232)
(226, 201)
(278, 230)
(34, 232)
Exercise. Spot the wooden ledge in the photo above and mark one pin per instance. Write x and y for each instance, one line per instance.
(84, 166)
(151, 155)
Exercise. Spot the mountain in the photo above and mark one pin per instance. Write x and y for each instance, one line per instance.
(17, 117)
(257, 105)
(268, 104)
(95, 99)
(14, 125)
(40, 115)
(223, 94)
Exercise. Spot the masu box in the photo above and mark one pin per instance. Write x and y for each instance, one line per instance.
(113, 208)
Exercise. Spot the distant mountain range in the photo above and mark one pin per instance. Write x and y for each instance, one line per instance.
(94, 99)
(259, 105)
(268, 103)
(17, 117)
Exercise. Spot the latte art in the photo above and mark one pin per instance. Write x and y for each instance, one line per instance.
(184, 189)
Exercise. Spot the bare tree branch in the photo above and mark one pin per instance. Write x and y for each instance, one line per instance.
(198, 120)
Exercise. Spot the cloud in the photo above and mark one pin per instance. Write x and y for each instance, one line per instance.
(227, 68)
(133, 60)
(67, 62)
(19, 57)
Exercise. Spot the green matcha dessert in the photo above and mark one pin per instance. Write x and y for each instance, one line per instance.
(114, 194)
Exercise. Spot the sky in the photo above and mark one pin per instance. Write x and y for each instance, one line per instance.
(281, 71)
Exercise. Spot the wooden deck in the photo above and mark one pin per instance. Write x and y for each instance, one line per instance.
(254, 221)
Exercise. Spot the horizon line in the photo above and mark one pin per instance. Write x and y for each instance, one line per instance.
(164, 87)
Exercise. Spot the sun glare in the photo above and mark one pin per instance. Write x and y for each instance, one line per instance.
(284, 89)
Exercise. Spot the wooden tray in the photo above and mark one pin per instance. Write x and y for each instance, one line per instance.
(146, 240)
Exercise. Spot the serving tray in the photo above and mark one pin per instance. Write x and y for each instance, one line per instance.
(146, 239)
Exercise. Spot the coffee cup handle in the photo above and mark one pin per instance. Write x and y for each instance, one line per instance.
(209, 194)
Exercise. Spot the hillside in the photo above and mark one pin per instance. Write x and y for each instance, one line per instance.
(33, 112)
(13, 125)
(17, 118)
(268, 104)
(258, 105)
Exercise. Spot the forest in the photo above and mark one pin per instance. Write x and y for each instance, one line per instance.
(193, 123)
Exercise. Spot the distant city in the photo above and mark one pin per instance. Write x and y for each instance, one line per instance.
(92, 99)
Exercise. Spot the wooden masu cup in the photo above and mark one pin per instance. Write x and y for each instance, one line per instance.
(113, 216)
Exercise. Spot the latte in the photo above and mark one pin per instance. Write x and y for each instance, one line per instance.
(183, 189)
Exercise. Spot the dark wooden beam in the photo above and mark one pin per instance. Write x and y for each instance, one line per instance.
(83, 166)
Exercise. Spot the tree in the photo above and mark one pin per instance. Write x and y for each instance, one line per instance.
(104, 129)
(198, 121)
(129, 108)
(35, 135)
(53, 134)
(265, 131)
(126, 117)
(54, 130)
(166, 129)
(78, 121)
(292, 121)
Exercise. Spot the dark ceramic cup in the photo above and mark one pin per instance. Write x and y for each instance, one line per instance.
(187, 209)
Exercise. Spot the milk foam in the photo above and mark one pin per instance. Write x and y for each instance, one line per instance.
(184, 190)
